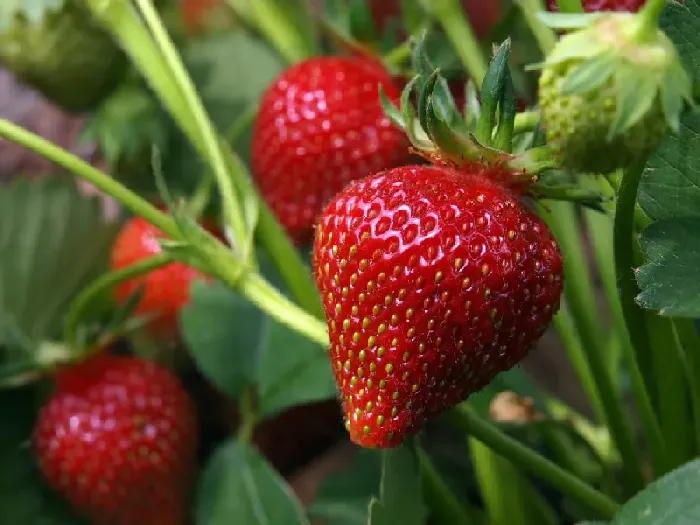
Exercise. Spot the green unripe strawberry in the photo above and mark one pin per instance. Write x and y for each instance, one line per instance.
(610, 91)
(61, 51)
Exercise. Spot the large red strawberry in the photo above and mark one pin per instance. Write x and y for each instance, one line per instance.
(434, 279)
(118, 439)
(320, 126)
(164, 290)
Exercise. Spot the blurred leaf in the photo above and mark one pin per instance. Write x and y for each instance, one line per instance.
(24, 496)
(53, 242)
(126, 127)
(400, 493)
(237, 346)
(343, 498)
(670, 195)
(680, 23)
(670, 500)
(239, 486)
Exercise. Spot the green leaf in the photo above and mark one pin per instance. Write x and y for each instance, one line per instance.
(670, 500)
(669, 278)
(680, 23)
(239, 486)
(237, 347)
(400, 494)
(53, 242)
(24, 496)
(343, 498)
(670, 195)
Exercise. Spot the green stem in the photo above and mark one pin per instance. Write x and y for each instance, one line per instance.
(124, 24)
(672, 391)
(201, 123)
(274, 24)
(248, 417)
(450, 16)
(101, 285)
(625, 262)
(526, 121)
(648, 20)
(82, 169)
(399, 54)
(689, 343)
(601, 233)
(521, 456)
(577, 357)
(570, 6)
(579, 296)
(545, 36)
(444, 506)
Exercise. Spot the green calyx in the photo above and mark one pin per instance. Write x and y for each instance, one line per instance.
(610, 90)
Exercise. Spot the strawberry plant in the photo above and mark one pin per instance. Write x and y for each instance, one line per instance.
(388, 210)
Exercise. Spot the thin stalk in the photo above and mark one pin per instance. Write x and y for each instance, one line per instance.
(600, 228)
(464, 417)
(672, 391)
(201, 123)
(689, 342)
(104, 283)
(526, 121)
(545, 36)
(444, 506)
(577, 357)
(248, 417)
(450, 16)
(127, 28)
(508, 497)
(626, 259)
(579, 296)
(82, 169)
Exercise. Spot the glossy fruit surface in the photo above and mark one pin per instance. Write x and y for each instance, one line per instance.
(320, 126)
(118, 439)
(433, 280)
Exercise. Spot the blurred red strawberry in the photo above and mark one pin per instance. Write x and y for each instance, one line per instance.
(482, 14)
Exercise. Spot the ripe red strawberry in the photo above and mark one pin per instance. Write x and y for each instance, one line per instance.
(592, 6)
(434, 280)
(118, 439)
(320, 126)
(165, 290)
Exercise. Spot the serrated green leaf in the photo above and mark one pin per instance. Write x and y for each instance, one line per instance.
(237, 347)
(680, 23)
(670, 195)
(670, 500)
(239, 486)
(400, 494)
(669, 278)
(343, 498)
(53, 242)
(24, 496)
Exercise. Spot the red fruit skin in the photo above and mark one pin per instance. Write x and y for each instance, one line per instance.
(320, 126)
(165, 290)
(433, 281)
(118, 439)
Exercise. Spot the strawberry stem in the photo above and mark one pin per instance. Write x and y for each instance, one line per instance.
(101, 285)
(450, 16)
(570, 6)
(464, 417)
(248, 417)
(526, 121)
(647, 21)
(545, 36)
